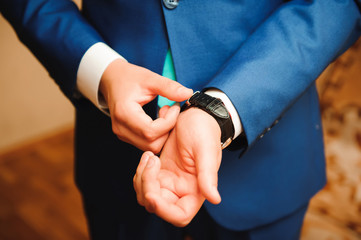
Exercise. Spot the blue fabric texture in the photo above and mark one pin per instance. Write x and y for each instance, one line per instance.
(265, 55)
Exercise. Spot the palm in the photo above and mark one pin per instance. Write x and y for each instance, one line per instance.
(175, 185)
(178, 176)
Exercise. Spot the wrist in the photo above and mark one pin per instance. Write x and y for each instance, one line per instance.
(91, 68)
(200, 120)
(111, 73)
(216, 109)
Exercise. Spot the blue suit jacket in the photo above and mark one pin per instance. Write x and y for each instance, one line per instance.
(265, 55)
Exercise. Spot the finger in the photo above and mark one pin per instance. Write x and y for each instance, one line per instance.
(179, 213)
(170, 89)
(163, 111)
(167, 122)
(150, 183)
(144, 126)
(137, 180)
(134, 117)
(140, 141)
(208, 159)
(138, 129)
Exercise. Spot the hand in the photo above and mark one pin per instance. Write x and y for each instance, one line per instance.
(126, 88)
(175, 185)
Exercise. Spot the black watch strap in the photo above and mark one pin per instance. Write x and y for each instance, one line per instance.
(215, 107)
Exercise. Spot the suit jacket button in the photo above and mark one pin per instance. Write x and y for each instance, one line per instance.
(170, 4)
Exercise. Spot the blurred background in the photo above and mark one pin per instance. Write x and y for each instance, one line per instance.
(38, 198)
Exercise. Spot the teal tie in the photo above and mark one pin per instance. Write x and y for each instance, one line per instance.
(168, 72)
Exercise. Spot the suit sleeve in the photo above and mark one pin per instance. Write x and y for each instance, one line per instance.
(55, 32)
(284, 56)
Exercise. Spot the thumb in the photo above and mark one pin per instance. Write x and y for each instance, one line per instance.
(150, 182)
(170, 89)
(207, 163)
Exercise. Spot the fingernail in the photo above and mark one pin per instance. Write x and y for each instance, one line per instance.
(185, 90)
(150, 163)
(189, 91)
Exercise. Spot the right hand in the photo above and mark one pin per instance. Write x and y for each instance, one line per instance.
(126, 88)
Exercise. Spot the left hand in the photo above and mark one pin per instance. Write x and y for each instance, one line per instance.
(175, 185)
(127, 88)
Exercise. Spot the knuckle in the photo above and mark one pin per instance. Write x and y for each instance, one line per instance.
(173, 87)
(115, 129)
(164, 83)
(117, 116)
(117, 132)
(149, 134)
(118, 113)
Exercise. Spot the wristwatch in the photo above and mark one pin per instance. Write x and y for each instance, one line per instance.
(215, 107)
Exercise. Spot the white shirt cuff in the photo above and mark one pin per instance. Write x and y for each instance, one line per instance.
(231, 109)
(91, 68)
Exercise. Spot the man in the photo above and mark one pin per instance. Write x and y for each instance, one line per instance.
(259, 57)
